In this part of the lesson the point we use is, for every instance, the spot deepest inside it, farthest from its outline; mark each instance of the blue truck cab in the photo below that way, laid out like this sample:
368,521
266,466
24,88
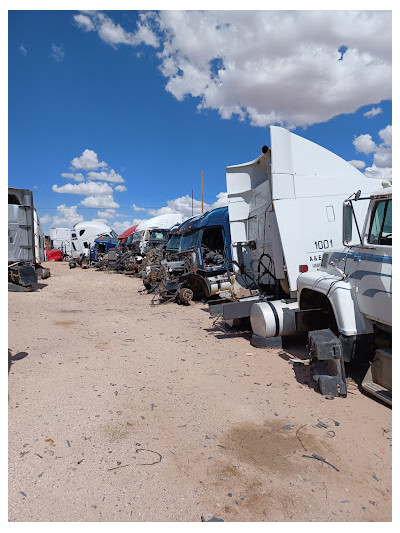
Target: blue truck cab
208,237
102,245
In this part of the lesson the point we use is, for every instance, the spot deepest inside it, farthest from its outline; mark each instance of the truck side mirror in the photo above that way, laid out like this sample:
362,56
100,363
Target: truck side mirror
347,222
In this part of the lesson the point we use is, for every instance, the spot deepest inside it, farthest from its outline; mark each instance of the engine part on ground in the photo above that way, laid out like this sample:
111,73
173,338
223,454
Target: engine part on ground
72,263
185,295
218,284
327,365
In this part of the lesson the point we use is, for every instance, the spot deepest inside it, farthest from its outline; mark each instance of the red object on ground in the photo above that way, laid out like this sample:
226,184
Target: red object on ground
53,255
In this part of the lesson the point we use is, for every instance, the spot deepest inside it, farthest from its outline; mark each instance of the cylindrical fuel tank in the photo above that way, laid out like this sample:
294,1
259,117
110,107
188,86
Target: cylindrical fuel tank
272,319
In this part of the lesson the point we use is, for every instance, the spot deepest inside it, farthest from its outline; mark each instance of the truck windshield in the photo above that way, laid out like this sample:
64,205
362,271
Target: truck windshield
189,241
381,226
159,235
174,242
113,233
133,237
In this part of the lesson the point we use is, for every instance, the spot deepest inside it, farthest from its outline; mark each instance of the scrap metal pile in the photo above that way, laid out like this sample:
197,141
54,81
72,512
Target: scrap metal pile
181,262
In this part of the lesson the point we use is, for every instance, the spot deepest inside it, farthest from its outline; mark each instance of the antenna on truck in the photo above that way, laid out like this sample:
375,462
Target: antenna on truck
202,190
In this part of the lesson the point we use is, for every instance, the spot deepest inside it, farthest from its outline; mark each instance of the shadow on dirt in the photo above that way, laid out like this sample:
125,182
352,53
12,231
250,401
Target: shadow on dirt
16,357
228,333
40,286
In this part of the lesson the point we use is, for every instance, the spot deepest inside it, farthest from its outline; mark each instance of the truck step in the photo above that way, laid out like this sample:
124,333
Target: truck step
378,391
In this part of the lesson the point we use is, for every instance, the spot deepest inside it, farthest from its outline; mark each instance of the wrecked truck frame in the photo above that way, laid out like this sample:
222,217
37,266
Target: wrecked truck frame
201,267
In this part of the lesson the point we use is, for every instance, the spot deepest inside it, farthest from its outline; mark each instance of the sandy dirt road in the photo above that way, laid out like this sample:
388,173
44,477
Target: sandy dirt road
119,411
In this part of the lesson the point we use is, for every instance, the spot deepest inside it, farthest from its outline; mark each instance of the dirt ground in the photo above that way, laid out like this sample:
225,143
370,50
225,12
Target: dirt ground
120,411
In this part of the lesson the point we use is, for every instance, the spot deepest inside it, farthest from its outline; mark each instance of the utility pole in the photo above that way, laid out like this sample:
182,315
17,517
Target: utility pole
192,202
202,191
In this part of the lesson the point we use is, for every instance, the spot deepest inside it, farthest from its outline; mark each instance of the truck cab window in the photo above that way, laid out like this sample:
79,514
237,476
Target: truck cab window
381,226
212,247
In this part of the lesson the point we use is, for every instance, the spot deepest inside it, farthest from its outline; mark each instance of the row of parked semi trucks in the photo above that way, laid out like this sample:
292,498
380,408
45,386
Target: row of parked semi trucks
304,247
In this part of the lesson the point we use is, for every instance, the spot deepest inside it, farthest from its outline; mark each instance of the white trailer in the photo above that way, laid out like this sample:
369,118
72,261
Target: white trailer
61,239
350,296
285,211
26,249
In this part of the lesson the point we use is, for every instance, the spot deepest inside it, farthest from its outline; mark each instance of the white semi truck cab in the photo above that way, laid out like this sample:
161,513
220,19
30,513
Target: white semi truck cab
285,211
350,295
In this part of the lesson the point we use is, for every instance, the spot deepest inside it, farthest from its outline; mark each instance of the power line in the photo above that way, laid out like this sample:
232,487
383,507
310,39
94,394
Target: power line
100,208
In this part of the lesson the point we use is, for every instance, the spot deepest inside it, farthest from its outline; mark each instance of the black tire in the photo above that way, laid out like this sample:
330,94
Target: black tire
260,342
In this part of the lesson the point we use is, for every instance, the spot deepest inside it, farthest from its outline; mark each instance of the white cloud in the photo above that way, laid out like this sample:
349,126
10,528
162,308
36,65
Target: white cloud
137,208
66,216
386,135
364,144
383,153
373,112
120,188
106,176
358,164
382,162
183,205
113,34
136,221
108,213
88,161
120,227
277,67
57,52
100,220
281,67
222,200
100,202
22,49
45,219
84,22
75,177
378,173
89,188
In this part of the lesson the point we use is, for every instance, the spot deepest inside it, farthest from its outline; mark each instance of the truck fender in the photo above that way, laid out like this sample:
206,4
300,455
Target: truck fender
340,295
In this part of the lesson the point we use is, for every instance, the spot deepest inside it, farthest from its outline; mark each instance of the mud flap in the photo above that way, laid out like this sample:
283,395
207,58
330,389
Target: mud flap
327,364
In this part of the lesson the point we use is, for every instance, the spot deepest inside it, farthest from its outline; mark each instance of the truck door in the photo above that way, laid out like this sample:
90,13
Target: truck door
374,272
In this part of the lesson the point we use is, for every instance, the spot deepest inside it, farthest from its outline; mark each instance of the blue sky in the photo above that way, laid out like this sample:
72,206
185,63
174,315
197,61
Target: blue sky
113,115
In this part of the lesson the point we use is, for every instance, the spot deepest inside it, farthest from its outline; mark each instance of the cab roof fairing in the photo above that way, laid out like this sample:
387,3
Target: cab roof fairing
165,221
216,217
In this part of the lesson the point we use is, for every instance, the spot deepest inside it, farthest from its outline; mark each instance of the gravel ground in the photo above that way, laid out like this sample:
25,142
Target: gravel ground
120,411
